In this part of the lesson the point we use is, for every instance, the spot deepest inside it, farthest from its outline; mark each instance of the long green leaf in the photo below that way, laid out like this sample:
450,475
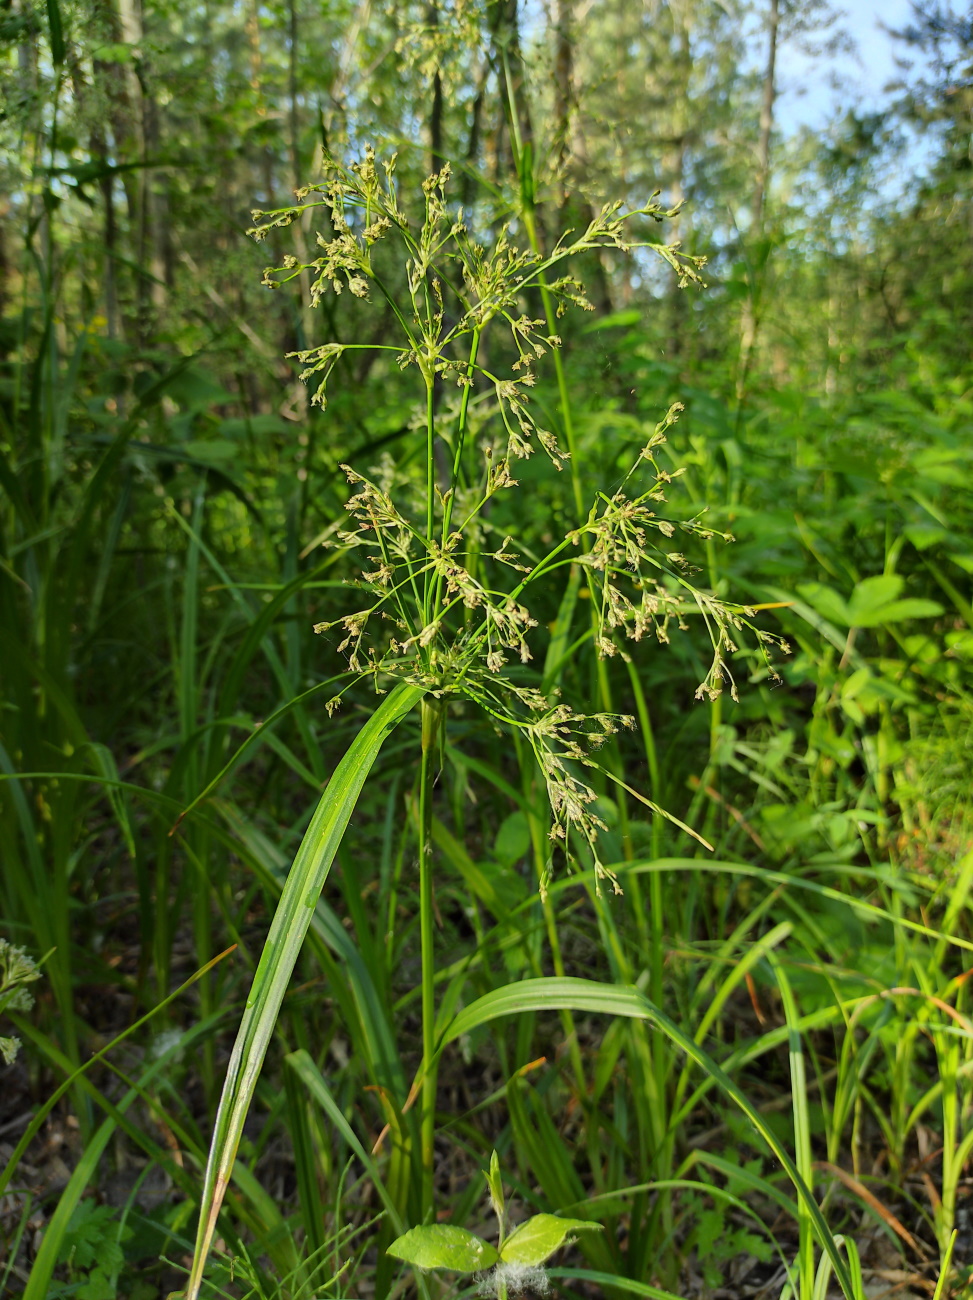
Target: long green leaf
612,1281
802,1124
555,994
280,952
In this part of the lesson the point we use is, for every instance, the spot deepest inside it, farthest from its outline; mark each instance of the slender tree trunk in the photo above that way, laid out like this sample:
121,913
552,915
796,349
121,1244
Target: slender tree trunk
476,128
157,251
575,208
107,186
4,259
766,116
436,105
564,88
128,126
503,19
674,168
119,86
293,120
750,316
297,177
98,149
264,164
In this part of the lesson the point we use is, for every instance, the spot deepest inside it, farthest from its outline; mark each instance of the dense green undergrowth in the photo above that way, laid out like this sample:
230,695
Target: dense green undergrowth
700,985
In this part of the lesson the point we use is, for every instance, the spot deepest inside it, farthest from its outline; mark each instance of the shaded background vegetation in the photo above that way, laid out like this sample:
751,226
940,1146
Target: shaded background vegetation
166,487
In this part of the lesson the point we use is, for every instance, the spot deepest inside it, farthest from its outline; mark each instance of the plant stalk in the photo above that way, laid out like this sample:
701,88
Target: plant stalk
431,713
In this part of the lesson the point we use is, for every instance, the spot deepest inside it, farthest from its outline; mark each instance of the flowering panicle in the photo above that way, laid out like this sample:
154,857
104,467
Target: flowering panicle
443,610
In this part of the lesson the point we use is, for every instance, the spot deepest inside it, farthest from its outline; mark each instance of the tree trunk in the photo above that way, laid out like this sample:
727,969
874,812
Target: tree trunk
750,316
302,304
575,208
564,88
674,169
476,127
436,106
766,117
157,249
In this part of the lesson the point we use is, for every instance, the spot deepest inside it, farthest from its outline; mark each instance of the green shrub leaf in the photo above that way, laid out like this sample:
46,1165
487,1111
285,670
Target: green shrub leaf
443,1245
538,1238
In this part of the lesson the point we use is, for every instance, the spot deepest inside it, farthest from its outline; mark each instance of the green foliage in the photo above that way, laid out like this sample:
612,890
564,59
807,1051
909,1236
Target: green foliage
717,1241
708,1063
441,1245
516,1261
92,1249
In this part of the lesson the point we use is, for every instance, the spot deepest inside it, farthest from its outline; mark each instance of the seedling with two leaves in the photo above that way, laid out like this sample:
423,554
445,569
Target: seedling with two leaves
514,1265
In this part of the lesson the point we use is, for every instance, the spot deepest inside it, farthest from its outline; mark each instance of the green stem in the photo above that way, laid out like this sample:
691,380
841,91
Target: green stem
567,424
461,432
430,491
457,457
431,721
539,848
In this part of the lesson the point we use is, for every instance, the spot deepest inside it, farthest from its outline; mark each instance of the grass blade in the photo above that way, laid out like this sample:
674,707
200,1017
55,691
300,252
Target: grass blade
802,1127
287,931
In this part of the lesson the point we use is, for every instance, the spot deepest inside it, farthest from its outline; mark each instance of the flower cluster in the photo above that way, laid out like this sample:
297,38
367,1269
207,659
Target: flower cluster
17,969
444,610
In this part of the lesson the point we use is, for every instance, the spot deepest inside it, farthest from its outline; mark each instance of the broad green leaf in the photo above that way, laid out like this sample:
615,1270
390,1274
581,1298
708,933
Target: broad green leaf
826,601
922,536
911,607
211,449
805,610
513,839
870,596
856,683
443,1245
288,928
499,890
538,1238
875,601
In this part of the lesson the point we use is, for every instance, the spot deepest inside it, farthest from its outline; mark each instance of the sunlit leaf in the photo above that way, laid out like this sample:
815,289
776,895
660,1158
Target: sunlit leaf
538,1238
443,1245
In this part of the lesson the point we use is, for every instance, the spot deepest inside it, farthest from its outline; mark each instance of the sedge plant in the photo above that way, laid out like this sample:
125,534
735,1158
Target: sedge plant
444,612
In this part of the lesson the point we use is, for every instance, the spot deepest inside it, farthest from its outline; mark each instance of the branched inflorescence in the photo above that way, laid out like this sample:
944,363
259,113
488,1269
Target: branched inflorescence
443,610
